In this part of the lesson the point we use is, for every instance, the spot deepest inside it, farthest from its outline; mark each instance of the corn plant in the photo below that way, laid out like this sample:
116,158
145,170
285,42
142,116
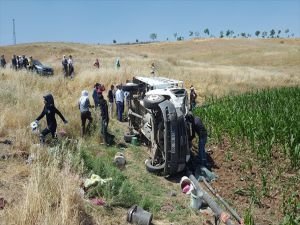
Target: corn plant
264,119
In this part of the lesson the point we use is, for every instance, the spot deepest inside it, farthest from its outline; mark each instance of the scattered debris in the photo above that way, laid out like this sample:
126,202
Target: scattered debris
3,202
120,160
202,172
121,145
6,142
30,159
18,154
173,193
139,216
94,180
186,185
97,201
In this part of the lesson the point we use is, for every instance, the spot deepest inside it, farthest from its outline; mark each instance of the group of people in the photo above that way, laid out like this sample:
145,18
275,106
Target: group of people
68,66
18,62
97,63
106,108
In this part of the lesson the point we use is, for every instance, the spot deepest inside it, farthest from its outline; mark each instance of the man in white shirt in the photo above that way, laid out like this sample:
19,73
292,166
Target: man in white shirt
120,102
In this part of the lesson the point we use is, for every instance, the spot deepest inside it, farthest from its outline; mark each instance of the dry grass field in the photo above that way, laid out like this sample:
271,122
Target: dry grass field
47,191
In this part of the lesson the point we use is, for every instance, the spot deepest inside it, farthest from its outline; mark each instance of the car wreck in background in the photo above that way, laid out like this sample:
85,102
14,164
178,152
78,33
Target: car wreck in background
41,69
157,110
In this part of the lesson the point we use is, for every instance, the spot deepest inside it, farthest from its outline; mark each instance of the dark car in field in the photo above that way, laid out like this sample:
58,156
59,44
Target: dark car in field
41,69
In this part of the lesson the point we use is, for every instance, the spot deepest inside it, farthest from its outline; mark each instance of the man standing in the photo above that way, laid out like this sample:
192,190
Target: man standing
193,97
84,105
71,66
64,63
111,97
120,102
199,128
3,61
14,62
95,95
104,119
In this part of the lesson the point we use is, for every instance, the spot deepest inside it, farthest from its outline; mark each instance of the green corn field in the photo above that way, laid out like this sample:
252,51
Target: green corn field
267,120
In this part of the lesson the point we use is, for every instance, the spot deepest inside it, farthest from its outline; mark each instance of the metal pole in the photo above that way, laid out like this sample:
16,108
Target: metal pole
212,204
14,33
232,211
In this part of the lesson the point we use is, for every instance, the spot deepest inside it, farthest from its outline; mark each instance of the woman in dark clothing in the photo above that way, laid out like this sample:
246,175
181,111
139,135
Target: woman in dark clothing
49,110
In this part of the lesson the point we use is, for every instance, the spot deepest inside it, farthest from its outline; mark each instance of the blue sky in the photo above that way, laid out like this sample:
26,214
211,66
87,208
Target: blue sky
95,21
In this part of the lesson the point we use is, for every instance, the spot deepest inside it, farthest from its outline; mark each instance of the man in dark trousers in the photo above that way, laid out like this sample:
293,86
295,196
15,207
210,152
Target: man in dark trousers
3,61
111,98
199,128
85,114
49,110
193,97
104,119
64,63
95,95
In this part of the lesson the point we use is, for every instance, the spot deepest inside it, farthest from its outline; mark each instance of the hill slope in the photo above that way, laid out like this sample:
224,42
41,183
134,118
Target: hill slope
215,67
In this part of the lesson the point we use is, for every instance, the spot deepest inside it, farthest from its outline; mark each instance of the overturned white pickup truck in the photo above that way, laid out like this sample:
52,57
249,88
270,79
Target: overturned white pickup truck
157,109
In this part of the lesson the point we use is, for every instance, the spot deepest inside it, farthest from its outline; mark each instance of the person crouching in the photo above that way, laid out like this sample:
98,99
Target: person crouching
84,106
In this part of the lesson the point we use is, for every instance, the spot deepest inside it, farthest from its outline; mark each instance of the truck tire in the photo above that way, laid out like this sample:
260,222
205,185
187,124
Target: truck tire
128,137
152,101
130,87
154,169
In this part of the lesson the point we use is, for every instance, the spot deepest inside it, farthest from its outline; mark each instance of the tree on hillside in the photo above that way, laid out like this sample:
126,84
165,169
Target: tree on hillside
243,34
180,38
197,34
257,33
264,34
191,33
153,36
175,35
278,33
286,31
227,33
272,33
206,31
114,41
137,40
221,34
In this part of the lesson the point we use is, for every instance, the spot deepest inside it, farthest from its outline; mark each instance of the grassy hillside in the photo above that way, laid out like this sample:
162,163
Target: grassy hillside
46,192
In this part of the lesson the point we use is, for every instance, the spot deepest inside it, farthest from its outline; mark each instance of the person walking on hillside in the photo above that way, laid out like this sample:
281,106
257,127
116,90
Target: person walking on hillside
64,63
95,95
71,66
49,110
118,64
30,63
97,64
120,102
2,61
85,114
199,129
14,62
111,98
193,97
152,69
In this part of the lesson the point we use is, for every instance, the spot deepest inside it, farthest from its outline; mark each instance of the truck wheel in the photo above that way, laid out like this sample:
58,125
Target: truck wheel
128,137
130,87
152,101
154,168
